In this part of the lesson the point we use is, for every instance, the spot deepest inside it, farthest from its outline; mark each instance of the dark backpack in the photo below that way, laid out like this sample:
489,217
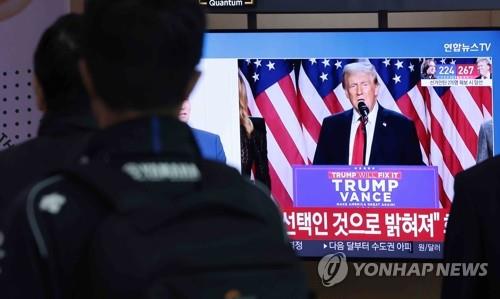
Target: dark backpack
219,237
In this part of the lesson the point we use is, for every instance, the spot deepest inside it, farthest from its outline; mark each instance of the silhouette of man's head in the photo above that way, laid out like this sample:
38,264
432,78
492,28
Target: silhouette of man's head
58,84
140,55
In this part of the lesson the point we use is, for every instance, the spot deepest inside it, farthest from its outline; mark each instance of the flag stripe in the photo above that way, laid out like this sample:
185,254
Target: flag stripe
280,194
439,136
281,167
482,96
464,128
309,121
313,100
310,145
406,105
333,103
288,89
278,129
287,118
445,177
341,97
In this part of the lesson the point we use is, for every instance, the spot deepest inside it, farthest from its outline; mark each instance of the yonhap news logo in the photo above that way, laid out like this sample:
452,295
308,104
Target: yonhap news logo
333,269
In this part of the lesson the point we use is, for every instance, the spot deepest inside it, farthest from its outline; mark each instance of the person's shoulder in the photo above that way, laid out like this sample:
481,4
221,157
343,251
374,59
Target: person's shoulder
392,115
204,134
20,150
53,148
340,116
482,174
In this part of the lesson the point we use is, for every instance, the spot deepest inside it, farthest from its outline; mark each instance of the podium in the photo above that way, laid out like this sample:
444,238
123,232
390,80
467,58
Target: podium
365,186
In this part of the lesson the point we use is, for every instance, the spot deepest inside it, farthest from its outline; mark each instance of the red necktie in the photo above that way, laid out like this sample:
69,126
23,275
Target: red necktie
359,145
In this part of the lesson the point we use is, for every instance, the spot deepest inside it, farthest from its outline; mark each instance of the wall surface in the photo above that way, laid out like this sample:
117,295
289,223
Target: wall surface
21,25
359,20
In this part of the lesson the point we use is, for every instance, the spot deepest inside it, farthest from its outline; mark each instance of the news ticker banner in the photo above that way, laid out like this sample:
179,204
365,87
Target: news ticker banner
456,82
369,249
367,232
366,186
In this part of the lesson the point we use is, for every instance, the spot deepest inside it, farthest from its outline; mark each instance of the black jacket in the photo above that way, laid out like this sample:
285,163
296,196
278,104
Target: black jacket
395,140
254,152
472,233
61,138
46,249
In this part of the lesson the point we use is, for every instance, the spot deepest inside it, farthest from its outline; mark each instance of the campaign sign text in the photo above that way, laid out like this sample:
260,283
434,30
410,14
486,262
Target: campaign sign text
366,186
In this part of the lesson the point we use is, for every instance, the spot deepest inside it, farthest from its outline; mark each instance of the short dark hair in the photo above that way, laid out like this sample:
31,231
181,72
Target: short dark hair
141,54
56,61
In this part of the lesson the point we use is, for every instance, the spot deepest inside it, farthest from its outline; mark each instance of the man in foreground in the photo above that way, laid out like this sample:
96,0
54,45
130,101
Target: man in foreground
145,216
472,232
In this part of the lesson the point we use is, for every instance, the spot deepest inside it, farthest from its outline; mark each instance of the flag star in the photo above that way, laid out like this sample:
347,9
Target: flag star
313,61
338,64
257,62
453,61
387,62
255,77
411,67
248,61
443,61
397,79
326,62
399,64
324,77
270,65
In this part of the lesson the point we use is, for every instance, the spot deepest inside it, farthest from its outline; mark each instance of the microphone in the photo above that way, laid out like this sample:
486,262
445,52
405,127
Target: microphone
363,110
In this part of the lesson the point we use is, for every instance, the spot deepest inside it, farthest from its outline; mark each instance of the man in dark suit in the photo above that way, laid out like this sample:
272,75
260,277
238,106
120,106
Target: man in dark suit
483,65
385,137
209,143
472,233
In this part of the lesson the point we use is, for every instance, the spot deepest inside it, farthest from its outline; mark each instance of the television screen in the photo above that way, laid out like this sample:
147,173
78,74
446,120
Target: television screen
282,103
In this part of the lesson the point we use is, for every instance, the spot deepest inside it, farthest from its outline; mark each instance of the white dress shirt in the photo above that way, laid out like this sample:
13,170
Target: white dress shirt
370,130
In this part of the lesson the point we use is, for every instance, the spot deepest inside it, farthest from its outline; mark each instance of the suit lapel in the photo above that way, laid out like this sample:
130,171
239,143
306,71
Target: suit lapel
378,136
345,131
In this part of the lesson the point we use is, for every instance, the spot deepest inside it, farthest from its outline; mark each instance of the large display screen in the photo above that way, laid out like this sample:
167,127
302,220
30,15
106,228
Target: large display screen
282,103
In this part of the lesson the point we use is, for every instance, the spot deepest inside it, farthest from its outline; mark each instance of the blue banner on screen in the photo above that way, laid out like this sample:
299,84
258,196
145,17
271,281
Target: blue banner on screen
366,186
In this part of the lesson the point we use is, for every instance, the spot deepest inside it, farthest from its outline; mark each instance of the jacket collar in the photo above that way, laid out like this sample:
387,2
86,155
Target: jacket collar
145,137
62,124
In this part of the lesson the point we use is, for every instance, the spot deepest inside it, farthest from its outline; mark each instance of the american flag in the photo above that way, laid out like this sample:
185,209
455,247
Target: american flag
294,96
